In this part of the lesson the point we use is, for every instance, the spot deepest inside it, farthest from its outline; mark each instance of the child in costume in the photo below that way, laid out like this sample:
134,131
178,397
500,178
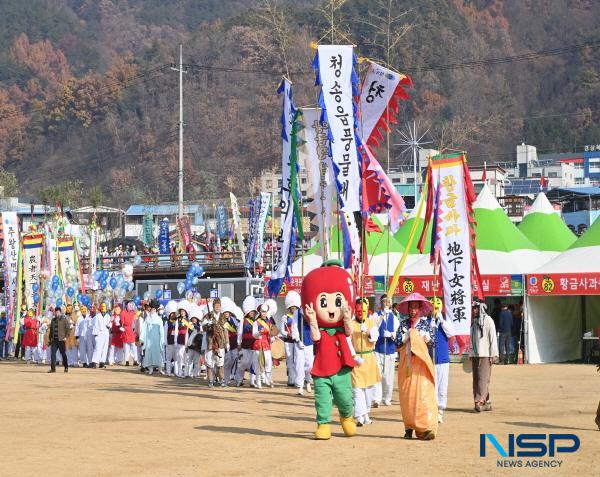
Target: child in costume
326,292
115,351
365,374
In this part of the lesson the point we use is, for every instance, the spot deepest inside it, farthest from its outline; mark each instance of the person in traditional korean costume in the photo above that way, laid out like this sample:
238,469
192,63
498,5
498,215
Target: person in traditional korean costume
115,351
101,330
30,336
85,337
152,339
246,341
262,361
326,292
366,374
128,335
72,346
416,371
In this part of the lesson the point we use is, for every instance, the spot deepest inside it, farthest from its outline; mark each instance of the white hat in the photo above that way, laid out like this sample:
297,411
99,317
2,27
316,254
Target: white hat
293,299
272,304
171,307
248,305
227,304
195,311
184,305
239,314
263,307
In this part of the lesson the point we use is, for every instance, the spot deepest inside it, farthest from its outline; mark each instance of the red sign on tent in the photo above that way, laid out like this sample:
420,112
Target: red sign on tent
554,284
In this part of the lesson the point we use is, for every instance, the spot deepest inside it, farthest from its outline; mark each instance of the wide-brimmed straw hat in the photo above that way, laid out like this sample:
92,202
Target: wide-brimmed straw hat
426,307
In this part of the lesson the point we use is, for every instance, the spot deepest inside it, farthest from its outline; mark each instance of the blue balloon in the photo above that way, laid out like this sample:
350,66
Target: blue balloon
189,275
137,260
104,275
70,292
181,287
54,286
113,282
200,270
188,284
102,284
36,297
158,294
97,275
35,287
195,281
59,302
86,300
55,279
137,301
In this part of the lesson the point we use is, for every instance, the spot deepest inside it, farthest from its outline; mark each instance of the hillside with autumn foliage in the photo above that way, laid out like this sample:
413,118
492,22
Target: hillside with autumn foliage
88,98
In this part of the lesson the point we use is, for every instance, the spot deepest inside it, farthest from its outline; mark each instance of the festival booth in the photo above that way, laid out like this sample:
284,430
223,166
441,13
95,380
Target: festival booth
563,301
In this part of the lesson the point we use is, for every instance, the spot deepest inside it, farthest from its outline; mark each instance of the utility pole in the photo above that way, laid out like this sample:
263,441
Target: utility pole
180,170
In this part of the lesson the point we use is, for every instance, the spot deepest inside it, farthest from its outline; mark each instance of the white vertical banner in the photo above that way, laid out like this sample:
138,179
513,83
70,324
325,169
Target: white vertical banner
265,203
453,238
286,237
10,230
66,257
339,84
93,251
235,213
379,88
51,255
314,155
33,250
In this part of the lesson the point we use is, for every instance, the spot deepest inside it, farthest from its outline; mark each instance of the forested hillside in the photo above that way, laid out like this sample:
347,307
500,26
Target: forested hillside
88,97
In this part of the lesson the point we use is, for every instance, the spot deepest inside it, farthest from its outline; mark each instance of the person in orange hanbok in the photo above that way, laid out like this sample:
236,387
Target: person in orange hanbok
416,372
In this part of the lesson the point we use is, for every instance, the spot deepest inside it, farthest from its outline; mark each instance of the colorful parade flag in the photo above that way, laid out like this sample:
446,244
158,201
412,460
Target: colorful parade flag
335,73
265,205
450,196
235,213
380,92
33,254
10,230
66,256
314,156
254,207
185,231
164,241
286,239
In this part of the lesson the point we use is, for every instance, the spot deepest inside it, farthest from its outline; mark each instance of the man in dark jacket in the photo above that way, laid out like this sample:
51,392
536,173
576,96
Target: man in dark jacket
59,331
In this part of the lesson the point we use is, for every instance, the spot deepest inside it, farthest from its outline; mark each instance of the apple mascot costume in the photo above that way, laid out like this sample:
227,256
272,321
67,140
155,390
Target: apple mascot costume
326,292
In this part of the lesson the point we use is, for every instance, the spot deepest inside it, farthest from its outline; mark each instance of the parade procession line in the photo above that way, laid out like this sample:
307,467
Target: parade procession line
120,422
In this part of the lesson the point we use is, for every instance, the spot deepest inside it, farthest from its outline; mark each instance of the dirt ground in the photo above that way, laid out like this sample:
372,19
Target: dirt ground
118,422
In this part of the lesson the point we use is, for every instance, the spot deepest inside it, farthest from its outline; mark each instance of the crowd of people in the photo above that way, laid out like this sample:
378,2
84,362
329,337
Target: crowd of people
230,345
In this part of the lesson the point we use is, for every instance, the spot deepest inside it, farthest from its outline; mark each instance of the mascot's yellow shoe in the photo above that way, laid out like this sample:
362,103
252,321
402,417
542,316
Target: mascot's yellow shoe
323,432
348,425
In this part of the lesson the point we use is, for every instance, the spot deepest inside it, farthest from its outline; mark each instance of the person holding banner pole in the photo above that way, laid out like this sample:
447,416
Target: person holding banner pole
385,352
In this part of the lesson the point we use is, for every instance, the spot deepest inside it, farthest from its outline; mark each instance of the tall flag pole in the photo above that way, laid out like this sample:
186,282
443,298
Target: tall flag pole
450,198
287,238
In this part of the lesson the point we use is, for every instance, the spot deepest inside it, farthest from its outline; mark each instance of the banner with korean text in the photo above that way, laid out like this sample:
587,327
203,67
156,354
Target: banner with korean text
33,253
452,237
335,73
235,213
10,231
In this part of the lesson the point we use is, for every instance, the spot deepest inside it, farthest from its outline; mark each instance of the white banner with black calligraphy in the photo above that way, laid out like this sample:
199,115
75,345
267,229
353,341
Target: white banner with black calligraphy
33,253
235,213
314,156
10,230
265,205
334,67
453,239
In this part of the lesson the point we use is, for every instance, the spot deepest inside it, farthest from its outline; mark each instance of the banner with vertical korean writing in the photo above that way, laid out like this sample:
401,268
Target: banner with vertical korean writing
164,241
335,73
253,207
265,205
314,156
10,230
185,231
453,237
66,256
93,252
33,253
235,213
286,240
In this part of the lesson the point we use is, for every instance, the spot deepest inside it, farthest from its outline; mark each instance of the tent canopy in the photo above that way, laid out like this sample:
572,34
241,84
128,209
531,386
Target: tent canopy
543,226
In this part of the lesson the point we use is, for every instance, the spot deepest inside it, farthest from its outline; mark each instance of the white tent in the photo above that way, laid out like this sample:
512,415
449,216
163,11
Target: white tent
563,301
